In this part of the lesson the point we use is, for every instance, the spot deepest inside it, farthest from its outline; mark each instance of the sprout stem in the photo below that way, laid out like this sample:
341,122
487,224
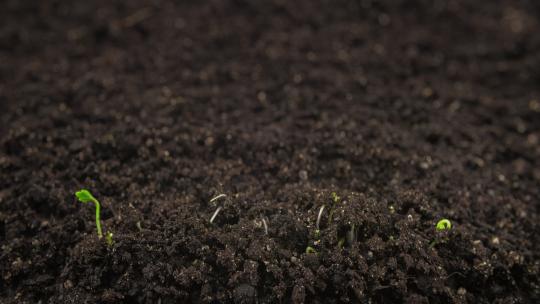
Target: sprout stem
217,197
98,221
265,226
84,196
319,217
109,238
215,214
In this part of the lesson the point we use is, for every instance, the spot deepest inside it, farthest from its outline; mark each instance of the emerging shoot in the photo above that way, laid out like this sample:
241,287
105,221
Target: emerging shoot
109,238
217,197
341,243
215,214
218,208
310,249
84,196
443,224
319,218
335,197
265,226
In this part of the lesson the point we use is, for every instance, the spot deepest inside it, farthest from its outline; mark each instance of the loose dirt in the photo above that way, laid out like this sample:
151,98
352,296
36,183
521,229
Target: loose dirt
391,114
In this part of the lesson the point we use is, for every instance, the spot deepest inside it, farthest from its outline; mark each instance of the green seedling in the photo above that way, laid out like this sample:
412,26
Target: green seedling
443,224
85,196
351,236
109,238
310,249
335,197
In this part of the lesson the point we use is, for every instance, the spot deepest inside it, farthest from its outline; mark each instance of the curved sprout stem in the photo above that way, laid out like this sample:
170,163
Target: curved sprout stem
265,226
319,217
217,197
84,196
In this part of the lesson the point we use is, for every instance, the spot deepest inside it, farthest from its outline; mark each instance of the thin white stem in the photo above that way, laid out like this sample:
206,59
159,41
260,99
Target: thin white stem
265,226
215,214
319,217
217,197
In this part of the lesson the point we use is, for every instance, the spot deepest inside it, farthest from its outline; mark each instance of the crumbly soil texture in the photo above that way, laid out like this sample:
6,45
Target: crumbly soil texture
390,114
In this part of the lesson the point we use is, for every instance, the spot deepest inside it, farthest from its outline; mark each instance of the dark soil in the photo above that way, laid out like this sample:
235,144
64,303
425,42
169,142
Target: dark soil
409,110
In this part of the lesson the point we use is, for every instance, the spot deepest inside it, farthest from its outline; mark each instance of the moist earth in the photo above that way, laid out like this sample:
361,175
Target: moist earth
390,114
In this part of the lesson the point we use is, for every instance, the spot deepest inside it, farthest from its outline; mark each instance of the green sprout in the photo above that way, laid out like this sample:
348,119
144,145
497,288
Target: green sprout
341,243
335,197
310,249
85,196
109,238
443,224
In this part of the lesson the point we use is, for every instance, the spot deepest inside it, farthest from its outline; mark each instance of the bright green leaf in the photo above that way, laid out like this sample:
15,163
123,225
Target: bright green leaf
85,196
444,224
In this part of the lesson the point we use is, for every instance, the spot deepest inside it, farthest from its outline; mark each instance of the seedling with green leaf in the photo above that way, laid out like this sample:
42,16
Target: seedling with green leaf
335,197
442,226
109,238
84,196
335,200
310,249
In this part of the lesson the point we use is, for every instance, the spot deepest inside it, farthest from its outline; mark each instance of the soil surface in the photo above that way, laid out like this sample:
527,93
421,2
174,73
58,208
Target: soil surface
391,114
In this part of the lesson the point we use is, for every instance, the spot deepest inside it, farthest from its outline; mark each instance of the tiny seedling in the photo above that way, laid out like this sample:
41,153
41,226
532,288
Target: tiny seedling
265,225
310,249
218,208
262,223
341,243
85,196
319,216
443,224
217,197
335,197
215,214
109,238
